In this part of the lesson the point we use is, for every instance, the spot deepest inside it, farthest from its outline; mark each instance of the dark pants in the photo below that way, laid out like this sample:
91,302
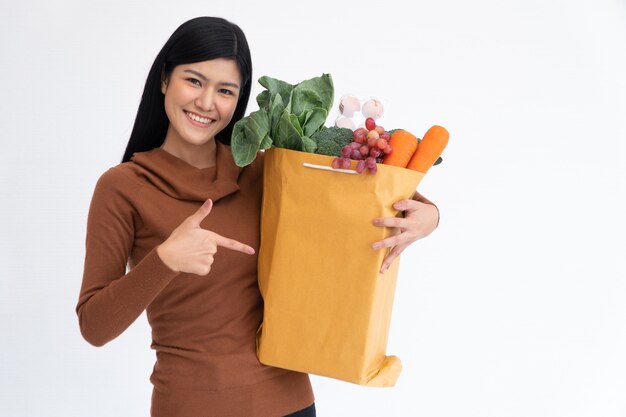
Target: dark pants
305,412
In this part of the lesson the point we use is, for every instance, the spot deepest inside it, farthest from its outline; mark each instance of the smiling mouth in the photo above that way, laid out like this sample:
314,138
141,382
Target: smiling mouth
199,120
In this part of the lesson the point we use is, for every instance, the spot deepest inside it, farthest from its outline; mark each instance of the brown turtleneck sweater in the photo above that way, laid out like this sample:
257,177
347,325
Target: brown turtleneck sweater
203,327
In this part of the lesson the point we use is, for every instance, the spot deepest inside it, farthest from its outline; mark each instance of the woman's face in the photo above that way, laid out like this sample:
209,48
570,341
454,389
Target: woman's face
200,99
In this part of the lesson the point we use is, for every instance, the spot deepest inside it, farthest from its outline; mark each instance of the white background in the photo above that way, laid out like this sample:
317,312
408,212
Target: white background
515,306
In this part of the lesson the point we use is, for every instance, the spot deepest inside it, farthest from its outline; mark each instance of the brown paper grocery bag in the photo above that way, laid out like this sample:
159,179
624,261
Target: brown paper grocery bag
327,308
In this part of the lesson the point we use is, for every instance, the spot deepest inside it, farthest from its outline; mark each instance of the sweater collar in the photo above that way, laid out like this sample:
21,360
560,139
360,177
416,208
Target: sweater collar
182,181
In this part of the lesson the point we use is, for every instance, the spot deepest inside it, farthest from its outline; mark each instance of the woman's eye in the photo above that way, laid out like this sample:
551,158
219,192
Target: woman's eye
225,91
194,81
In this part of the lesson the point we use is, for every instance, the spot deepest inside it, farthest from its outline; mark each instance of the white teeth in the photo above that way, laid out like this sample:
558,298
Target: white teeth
198,118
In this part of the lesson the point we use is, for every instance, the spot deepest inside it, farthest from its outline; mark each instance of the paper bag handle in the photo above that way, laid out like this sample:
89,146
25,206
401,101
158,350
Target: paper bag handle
327,168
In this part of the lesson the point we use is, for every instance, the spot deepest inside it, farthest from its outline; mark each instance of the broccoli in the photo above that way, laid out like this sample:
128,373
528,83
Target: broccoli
331,140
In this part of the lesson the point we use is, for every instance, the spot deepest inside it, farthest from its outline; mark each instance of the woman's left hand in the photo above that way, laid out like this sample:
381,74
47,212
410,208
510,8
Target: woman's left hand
420,219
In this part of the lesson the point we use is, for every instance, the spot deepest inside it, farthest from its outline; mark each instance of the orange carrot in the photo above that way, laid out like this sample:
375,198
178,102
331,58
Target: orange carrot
429,149
403,146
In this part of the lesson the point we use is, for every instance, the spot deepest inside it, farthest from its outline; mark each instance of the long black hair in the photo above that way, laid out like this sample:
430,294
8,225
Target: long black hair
198,39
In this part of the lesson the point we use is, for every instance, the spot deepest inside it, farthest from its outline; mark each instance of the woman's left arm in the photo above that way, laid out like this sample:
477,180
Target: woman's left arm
421,217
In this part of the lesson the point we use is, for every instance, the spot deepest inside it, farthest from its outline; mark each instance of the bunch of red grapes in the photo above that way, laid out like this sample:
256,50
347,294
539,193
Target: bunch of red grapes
369,146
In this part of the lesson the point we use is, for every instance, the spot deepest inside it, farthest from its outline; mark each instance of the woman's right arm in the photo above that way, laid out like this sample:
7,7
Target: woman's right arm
110,299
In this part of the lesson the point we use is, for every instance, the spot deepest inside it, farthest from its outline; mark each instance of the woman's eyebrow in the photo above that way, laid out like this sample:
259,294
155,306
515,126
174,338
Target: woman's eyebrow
200,75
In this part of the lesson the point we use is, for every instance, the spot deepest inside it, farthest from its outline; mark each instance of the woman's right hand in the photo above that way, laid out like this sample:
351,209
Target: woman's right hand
190,248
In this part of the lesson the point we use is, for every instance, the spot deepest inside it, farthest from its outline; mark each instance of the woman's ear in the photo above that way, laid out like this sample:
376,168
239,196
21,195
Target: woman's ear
163,81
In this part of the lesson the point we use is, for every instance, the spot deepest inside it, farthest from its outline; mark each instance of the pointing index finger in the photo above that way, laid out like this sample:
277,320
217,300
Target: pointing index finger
233,244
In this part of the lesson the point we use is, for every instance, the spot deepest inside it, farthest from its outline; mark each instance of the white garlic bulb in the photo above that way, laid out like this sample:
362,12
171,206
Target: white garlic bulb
345,122
372,108
348,105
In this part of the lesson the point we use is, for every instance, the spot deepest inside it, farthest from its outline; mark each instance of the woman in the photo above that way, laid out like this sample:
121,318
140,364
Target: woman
168,209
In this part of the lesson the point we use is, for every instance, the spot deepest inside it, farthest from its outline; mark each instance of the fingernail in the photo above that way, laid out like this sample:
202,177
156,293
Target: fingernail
384,269
376,246
398,206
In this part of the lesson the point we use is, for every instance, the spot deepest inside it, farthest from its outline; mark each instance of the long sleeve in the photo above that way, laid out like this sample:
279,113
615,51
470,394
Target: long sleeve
110,299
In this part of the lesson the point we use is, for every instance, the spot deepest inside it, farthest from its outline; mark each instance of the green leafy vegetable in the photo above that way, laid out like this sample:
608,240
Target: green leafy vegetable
316,92
287,135
276,108
250,134
313,120
273,87
309,144
295,123
288,117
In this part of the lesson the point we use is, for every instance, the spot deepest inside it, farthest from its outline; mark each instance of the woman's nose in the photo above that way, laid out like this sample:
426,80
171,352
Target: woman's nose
206,100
